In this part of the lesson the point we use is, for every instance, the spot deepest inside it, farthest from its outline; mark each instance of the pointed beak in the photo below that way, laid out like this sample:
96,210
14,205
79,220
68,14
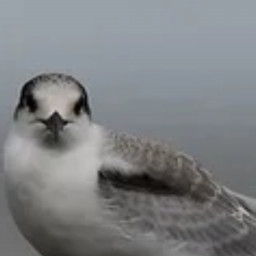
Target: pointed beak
55,123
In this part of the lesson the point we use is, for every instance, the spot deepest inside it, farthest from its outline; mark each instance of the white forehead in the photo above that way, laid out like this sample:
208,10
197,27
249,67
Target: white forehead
54,96
54,92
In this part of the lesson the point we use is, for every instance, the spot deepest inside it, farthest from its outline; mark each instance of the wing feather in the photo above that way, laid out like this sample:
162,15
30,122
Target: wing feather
175,199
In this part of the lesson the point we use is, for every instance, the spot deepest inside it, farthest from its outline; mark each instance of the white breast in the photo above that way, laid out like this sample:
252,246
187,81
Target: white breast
53,196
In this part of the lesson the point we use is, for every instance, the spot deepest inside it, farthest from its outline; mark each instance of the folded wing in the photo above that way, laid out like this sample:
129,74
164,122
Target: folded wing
178,203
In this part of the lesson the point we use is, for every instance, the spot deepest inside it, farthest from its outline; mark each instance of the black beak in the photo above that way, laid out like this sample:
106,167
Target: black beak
55,123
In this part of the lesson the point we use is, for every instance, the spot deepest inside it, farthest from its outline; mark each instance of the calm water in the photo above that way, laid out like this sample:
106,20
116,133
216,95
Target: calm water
182,70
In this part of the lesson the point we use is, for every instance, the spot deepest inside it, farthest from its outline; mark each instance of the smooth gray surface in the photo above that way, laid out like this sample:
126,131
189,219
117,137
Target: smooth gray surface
177,69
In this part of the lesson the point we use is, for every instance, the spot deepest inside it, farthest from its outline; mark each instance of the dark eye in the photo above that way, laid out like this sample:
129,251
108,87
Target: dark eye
79,106
31,103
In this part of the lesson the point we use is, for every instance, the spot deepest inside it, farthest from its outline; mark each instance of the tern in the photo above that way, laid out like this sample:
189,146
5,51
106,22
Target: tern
77,188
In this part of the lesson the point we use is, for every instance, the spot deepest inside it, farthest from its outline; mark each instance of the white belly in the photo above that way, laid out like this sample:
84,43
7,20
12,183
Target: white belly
65,223
54,201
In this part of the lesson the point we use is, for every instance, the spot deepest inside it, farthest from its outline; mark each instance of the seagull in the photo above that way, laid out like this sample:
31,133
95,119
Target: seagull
77,188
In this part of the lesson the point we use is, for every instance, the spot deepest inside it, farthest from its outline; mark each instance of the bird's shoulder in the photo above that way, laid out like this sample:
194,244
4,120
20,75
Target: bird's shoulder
156,165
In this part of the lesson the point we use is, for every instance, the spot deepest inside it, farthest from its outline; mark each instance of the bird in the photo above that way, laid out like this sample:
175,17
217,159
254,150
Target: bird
76,188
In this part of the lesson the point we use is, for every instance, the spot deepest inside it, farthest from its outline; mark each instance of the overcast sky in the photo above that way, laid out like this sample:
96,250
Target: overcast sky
182,69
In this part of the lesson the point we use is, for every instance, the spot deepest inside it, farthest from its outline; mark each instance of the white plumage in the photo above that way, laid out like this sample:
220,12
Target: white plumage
76,189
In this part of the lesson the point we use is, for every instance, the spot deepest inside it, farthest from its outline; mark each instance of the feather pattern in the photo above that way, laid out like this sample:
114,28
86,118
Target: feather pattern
165,193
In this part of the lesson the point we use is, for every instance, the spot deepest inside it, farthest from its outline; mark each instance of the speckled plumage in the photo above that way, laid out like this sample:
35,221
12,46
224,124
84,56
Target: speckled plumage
191,209
162,162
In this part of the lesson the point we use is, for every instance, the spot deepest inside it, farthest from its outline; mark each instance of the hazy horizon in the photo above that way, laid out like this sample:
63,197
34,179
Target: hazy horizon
182,70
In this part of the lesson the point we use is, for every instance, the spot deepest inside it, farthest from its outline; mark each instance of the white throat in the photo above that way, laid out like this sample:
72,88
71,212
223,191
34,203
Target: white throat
45,184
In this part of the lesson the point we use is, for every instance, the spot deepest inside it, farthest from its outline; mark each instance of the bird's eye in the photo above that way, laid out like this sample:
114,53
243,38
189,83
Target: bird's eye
31,103
79,106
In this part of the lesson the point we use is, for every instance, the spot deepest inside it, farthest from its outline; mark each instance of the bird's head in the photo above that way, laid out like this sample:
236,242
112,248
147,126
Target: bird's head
53,109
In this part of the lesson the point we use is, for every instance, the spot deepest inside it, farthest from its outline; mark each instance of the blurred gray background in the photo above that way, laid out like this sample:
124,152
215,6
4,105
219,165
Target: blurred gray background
178,69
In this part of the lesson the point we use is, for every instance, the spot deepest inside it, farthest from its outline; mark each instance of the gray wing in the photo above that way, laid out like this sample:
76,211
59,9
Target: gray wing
248,202
189,209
